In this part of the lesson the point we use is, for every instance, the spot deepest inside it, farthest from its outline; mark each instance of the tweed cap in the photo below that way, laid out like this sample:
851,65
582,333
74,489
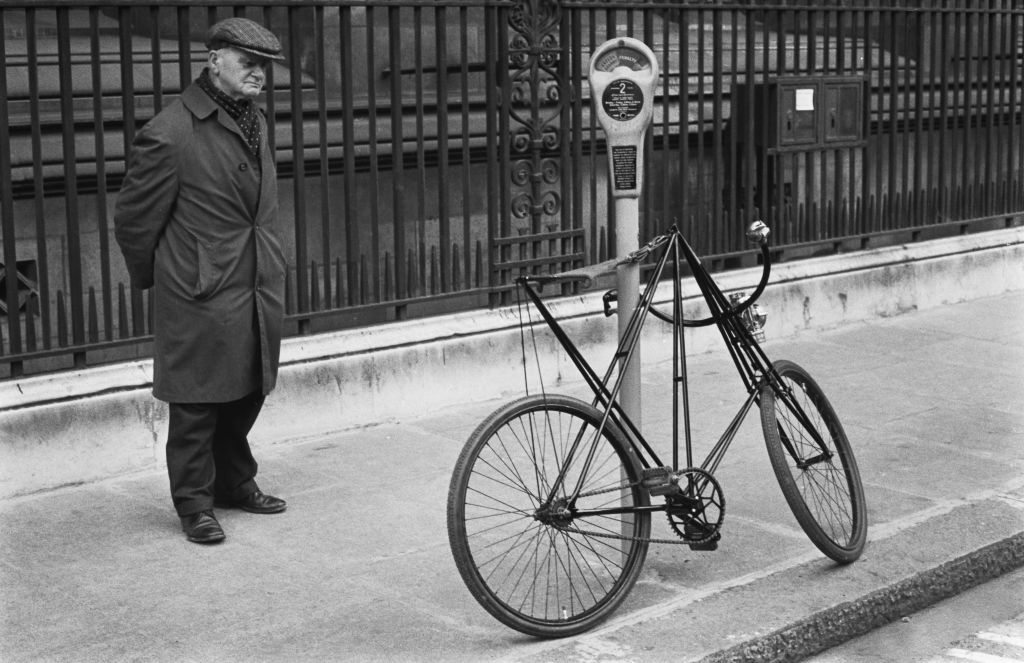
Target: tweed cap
245,35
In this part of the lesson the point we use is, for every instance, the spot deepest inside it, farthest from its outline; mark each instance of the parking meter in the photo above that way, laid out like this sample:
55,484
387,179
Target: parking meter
623,75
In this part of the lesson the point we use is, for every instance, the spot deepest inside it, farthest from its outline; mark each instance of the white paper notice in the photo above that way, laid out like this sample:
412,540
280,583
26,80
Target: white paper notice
805,99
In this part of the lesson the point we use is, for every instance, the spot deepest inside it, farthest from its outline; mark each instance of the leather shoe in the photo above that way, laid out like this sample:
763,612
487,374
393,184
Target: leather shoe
257,502
202,527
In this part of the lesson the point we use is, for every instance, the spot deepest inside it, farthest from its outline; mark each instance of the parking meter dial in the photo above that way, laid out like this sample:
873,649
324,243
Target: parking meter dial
622,56
623,78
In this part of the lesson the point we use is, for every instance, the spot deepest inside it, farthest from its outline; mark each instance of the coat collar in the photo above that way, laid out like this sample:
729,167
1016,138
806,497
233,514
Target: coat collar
202,106
198,102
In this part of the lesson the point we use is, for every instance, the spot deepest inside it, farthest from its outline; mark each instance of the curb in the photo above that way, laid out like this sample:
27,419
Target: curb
834,626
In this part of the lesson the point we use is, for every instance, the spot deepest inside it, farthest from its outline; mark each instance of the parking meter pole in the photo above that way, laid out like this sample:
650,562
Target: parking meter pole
627,277
623,77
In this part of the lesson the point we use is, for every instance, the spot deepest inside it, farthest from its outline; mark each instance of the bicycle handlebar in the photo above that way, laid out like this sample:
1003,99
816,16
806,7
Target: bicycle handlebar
757,232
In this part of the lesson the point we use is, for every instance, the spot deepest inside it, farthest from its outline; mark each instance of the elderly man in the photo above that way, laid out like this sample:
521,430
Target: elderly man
195,221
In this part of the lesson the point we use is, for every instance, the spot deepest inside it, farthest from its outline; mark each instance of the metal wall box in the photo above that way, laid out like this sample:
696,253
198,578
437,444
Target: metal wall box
796,113
793,116
844,111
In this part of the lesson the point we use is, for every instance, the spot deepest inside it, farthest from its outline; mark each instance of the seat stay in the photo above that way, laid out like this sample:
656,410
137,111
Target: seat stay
604,397
611,410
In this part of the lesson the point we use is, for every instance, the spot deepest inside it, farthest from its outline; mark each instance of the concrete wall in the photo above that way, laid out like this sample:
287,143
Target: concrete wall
85,426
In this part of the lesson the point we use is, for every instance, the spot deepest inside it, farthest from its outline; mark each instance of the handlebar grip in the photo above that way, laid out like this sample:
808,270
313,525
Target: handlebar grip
757,232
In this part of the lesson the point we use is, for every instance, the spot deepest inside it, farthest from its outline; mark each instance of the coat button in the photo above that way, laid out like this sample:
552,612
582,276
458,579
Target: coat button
243,167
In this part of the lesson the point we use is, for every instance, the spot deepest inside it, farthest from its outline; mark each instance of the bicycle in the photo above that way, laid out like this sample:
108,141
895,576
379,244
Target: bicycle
550,503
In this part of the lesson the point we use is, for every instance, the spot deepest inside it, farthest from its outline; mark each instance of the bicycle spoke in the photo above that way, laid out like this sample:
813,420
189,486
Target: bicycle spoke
524,545
821,487
813,461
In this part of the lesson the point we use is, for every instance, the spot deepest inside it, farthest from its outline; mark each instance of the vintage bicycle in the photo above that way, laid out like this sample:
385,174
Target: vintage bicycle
550,503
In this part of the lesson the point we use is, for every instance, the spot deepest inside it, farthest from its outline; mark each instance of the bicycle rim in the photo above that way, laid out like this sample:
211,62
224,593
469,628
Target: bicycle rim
825,495
544,576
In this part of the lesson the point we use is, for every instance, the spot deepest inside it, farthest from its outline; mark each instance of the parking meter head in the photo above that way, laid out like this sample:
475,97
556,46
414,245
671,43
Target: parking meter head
623,78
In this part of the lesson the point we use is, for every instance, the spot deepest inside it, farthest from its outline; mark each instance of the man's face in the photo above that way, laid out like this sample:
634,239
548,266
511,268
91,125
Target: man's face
238,74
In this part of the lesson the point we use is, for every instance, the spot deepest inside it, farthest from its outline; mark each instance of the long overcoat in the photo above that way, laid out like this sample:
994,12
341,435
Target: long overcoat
195,221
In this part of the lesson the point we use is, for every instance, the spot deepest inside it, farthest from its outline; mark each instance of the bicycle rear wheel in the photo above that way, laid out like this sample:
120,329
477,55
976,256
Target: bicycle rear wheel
814,463
544,566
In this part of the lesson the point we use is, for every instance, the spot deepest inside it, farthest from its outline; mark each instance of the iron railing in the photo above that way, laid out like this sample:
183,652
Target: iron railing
428,151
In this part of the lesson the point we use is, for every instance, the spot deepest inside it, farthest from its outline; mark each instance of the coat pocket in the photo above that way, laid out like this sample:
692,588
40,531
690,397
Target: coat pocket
206,272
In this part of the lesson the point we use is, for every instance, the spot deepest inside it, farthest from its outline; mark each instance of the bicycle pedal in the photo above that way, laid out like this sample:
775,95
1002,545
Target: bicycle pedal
659,480
655,475
707,545
671,488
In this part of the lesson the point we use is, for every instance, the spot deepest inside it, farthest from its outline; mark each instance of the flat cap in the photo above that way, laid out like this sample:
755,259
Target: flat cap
245,35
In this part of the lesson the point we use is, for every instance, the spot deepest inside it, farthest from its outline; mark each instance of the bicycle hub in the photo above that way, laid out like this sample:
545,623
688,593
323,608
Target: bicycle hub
555,513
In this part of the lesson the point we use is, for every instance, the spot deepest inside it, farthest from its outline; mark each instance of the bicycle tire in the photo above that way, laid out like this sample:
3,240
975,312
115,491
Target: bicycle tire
826,497
541,579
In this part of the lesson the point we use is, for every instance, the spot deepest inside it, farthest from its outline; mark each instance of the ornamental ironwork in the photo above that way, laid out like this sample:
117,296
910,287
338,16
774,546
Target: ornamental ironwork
534,108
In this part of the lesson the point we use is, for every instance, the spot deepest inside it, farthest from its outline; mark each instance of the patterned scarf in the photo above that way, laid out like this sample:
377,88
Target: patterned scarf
242,111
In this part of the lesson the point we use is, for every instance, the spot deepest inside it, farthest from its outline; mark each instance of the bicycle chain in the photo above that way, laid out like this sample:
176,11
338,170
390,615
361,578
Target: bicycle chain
623,537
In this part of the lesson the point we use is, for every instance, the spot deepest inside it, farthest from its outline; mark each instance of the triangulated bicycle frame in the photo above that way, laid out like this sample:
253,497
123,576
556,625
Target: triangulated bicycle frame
735,322
546,481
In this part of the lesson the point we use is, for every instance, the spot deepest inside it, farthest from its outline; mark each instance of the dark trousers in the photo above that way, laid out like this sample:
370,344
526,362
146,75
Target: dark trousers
208,455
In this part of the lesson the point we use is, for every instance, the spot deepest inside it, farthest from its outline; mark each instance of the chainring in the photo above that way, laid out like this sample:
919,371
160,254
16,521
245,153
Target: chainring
695,514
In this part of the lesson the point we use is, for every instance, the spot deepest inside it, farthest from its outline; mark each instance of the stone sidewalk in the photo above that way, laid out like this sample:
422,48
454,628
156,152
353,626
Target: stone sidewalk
358,568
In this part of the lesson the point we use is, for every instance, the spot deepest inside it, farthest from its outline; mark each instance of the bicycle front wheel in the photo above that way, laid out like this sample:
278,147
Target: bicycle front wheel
541,516
814,463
